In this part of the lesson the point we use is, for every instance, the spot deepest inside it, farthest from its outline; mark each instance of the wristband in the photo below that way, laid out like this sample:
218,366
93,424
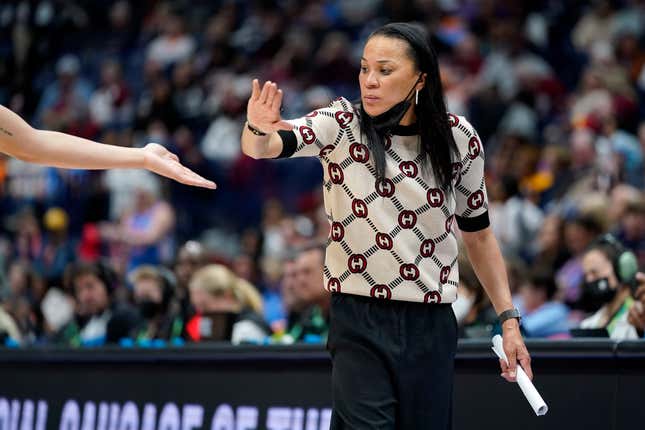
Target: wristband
254,130
508,314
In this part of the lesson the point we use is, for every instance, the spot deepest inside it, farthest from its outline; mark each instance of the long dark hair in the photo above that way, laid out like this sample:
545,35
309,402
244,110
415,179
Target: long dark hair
437,142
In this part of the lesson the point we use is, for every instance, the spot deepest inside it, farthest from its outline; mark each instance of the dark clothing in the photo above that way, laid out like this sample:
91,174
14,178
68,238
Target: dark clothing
393,364
312,326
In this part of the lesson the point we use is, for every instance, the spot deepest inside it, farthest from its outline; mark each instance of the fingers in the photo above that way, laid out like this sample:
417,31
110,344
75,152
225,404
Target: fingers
277,101
505,371
503,366
265,92
255,92
511,374
273,90
512,361
189,177
270,94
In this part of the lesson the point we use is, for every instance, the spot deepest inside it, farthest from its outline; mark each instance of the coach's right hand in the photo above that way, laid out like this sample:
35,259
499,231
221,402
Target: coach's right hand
263,109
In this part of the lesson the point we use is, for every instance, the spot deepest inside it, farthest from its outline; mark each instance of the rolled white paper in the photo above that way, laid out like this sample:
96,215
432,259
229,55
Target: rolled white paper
535,400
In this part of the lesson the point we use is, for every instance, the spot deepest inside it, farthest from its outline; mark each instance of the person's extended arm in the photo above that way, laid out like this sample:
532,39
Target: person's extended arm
18,139
162,221
263,113
486,258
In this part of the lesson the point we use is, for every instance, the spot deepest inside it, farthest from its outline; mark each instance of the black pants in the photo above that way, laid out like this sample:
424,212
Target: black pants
393,364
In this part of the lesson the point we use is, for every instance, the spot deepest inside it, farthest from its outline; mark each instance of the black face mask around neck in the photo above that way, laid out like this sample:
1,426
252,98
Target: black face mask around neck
389,119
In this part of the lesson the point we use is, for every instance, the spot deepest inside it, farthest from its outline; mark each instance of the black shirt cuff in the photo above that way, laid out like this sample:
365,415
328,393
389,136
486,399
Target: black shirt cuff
289,143
470,225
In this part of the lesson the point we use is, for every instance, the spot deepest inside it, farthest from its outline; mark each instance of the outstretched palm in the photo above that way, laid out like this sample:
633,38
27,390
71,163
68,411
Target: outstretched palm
263,109
163,162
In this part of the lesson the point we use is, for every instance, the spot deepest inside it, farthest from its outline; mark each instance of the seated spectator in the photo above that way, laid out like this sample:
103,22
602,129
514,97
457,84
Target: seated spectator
190,258
473,310
313,324
111,103
173,45
579,232
65,100
228,308
631,230
98,319
147,228
543,316
607,286
25,292
292,301
58,249
154,289
636,316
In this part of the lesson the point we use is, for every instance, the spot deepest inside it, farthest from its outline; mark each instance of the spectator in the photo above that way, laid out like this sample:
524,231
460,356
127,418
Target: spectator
64,102
156,110
154,290
636,316
111,103
631,231
228,308
517,220
313,324
188,94
294,305
173,44
579,233
58,249
473,310
607,286
97,319
543,316
549,245
147,229
190,258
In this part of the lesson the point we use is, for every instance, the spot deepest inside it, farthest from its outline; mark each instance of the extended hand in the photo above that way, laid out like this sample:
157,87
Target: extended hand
515,352
263,109
163,162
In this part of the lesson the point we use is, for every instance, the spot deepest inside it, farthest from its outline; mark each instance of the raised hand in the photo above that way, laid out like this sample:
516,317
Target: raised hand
263,109
163,162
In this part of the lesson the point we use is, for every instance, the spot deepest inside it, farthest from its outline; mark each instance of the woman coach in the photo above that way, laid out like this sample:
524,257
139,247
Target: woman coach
399,171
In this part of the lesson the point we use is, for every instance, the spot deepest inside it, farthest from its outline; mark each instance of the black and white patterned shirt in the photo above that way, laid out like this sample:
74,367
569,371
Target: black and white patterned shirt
395,238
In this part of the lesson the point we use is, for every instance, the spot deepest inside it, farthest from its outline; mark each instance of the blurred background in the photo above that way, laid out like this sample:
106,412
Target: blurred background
556,90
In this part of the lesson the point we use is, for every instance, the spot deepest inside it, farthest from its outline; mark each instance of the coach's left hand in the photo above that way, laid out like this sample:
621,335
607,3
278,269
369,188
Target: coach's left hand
515,351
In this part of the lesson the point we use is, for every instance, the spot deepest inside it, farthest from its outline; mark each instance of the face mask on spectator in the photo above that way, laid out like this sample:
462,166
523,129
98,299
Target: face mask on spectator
597,293
149,309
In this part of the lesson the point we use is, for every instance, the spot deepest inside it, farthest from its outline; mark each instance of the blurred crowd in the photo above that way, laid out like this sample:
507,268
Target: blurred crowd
555,89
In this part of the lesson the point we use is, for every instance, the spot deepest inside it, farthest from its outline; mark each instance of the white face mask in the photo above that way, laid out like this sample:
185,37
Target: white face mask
461,307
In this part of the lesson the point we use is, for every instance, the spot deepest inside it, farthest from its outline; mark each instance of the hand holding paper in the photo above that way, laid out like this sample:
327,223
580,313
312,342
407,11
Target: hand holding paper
527,387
